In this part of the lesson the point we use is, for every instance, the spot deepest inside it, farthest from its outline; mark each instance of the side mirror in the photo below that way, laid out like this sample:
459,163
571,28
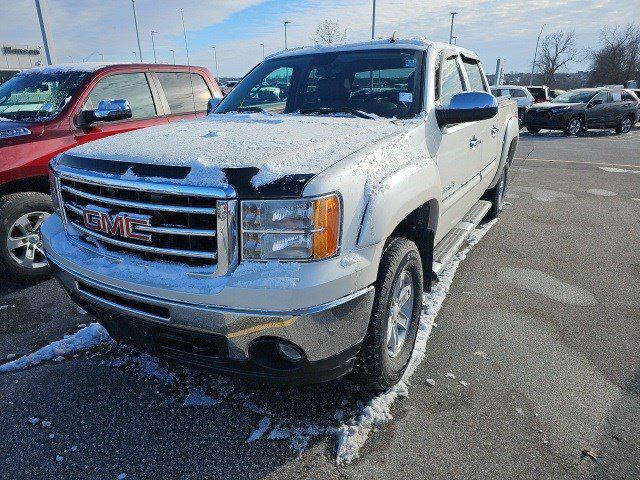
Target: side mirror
593,103
212,104
468,107
108,111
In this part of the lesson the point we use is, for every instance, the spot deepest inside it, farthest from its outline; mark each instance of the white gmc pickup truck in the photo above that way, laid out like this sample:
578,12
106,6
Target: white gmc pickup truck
291,233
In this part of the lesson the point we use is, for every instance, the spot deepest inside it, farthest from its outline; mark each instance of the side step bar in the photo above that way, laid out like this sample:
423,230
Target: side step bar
452,241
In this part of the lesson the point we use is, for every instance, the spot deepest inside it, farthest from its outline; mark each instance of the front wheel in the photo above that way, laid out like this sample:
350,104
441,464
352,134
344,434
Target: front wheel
574,127
496,195
22,257
395,318
625,125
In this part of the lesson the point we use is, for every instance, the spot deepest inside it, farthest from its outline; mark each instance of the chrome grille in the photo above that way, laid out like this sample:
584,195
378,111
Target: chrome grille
183,221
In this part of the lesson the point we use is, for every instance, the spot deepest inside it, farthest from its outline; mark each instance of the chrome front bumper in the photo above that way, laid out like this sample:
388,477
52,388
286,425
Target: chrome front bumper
322,332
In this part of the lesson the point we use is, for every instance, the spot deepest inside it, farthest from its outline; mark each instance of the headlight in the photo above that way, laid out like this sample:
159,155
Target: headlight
297,229
560,109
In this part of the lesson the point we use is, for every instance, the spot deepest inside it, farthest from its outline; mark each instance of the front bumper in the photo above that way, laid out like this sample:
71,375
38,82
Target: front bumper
329,335
546,120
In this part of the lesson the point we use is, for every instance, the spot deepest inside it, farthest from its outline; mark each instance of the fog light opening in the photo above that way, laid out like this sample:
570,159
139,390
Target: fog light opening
289,353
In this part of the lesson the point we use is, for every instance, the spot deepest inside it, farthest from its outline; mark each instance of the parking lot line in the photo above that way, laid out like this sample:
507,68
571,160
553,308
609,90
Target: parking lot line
553,160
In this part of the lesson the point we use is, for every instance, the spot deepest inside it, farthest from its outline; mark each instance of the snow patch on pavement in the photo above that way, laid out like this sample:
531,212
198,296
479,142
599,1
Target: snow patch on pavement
601,193
353,434
197,398
618,170
263,426
85,338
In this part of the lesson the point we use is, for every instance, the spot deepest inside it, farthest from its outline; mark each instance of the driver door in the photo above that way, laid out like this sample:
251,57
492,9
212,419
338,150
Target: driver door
596,112
458,150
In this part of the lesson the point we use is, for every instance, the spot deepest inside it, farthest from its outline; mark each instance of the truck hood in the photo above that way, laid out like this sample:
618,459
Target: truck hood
263,148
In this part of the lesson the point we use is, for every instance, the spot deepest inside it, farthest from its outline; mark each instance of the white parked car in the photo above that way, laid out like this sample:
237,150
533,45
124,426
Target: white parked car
288,236
521,95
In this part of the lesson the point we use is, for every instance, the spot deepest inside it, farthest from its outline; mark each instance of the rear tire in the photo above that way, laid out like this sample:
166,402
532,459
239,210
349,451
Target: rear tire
21,255
624,126
496,195
388,345
533,130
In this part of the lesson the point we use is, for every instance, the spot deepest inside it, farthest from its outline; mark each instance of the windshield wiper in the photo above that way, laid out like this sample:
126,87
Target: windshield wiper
249,109
331,111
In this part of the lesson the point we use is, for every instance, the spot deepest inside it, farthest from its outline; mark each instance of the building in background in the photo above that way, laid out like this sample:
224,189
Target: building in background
21,56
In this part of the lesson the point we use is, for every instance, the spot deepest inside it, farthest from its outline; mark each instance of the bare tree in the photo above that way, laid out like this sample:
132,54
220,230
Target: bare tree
557,50
329,31
618,58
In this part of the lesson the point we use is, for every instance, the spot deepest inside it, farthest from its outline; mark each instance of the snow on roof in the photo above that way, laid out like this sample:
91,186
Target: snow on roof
68,67
416,43
420,43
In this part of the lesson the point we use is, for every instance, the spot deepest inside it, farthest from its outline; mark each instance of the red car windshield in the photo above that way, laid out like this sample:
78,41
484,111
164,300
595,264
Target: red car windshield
37,95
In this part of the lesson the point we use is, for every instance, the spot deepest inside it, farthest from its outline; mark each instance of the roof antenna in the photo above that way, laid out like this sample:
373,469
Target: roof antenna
186,47
393,38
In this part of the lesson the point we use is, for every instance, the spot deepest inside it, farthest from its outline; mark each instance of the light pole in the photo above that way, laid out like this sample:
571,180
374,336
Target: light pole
44,25
135,20
286,22
373,21
215,59
262,45
535,54
173,52
153,44
453,14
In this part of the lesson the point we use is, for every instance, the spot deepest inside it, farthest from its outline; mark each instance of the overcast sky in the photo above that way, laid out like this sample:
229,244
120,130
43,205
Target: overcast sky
492,28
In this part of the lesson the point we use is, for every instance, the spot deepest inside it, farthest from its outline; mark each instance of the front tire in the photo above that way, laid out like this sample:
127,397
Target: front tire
395,318
22,257
574,127
625,125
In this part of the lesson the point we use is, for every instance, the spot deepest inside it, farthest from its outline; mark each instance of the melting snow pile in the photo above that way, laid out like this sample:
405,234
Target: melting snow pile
85,338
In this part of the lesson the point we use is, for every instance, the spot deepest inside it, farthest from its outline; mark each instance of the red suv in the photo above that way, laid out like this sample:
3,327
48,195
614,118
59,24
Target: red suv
45,111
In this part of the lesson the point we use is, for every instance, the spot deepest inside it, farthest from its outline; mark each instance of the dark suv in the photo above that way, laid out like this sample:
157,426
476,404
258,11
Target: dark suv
585,108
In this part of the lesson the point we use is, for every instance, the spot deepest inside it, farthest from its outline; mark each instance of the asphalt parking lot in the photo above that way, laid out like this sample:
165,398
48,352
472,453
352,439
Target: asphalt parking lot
532,369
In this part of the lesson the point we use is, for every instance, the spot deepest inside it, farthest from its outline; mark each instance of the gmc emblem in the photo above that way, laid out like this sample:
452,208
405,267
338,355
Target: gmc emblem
118,225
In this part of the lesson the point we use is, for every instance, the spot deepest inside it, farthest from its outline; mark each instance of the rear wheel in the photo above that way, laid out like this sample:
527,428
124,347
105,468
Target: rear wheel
395,317
22,257
496,195
574,126
625,125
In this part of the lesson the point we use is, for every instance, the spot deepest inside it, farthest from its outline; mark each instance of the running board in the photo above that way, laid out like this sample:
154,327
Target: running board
452,241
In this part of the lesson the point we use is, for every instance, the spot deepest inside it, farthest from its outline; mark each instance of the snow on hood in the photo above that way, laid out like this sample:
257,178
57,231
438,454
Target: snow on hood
277,145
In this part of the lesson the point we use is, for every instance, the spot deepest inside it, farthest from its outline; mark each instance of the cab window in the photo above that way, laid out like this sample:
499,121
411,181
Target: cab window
474,74
451,82
186,92
133,87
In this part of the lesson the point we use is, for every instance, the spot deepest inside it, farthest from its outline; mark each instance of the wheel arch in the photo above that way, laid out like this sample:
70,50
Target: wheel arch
30,184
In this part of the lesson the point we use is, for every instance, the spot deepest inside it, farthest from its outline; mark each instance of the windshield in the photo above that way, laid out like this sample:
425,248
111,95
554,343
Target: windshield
575,96
37,95
359,83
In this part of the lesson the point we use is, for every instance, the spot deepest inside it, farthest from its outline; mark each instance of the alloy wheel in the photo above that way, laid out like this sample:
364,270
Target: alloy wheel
400,312
625,127
24,242
574,126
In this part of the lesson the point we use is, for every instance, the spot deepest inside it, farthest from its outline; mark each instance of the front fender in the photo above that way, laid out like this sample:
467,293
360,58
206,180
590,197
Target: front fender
511,132
395,197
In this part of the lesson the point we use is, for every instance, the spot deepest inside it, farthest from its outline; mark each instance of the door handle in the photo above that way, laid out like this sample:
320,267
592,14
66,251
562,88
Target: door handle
494,130
474,142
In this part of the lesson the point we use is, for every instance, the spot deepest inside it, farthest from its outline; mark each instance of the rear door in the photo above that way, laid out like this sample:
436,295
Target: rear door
185,95
133,87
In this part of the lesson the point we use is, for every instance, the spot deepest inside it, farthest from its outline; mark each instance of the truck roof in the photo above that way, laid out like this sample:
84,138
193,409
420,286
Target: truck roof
417,43
95,66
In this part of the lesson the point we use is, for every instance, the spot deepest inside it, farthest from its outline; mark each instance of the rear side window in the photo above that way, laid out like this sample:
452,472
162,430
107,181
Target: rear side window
474,74
451,83
627,97
515,93
177,88
538,92
127,86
